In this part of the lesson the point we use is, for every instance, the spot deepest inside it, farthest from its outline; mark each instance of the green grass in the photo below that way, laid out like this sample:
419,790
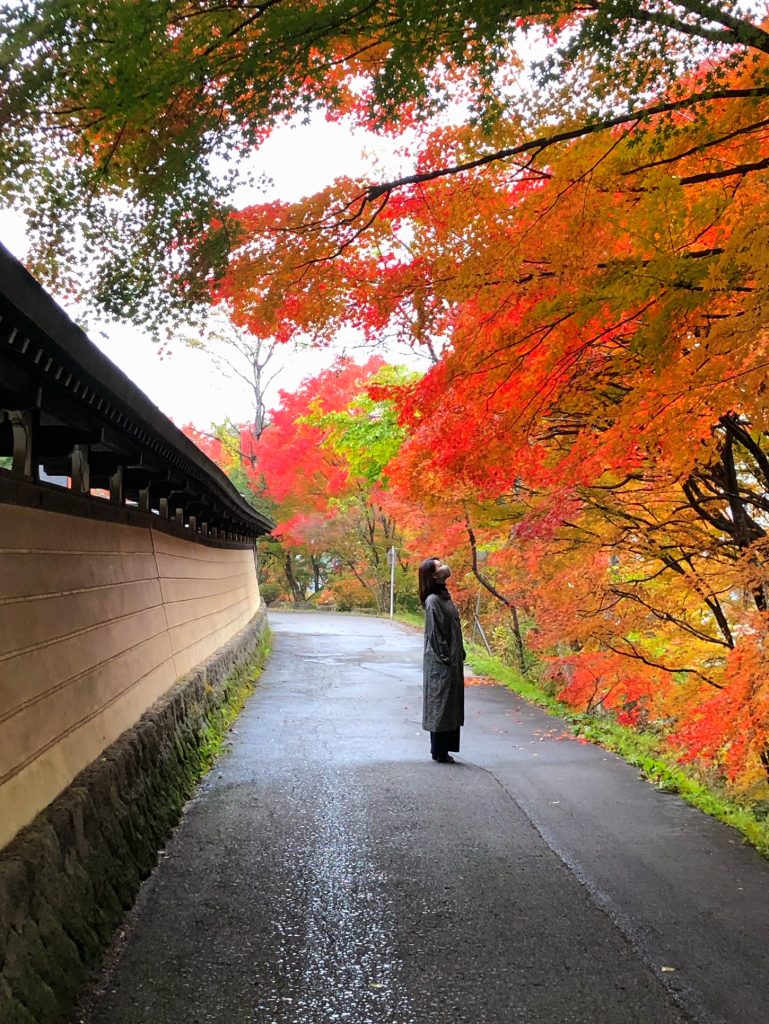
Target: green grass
641,749
240,685
409,618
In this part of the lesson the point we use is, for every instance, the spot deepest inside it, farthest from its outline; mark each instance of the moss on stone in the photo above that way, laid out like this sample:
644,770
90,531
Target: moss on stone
29,975
14,899
11,1010
60,951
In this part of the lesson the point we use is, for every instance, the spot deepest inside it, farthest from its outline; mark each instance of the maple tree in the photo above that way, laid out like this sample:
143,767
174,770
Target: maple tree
161,102
321,462
231,447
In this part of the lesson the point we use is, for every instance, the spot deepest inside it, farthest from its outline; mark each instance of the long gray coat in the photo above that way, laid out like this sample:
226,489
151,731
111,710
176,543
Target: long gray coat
443,703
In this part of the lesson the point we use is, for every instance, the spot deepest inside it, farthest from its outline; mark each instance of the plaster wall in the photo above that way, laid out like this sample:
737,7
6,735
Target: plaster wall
97,621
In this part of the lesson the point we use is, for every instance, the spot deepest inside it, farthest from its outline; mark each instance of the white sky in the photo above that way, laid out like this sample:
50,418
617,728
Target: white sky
184,384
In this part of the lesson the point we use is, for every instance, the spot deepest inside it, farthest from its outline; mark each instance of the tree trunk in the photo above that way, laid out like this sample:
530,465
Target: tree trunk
315,572
296,590
518,638
764,758
519,648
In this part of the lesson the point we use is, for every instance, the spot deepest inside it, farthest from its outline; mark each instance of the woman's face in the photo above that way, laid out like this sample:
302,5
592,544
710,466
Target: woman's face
441,571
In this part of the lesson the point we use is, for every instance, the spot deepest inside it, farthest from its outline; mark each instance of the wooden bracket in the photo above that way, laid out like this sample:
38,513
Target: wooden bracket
80,470
24,424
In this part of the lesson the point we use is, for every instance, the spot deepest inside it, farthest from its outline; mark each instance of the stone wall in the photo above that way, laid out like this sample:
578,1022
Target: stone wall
67,879
98,619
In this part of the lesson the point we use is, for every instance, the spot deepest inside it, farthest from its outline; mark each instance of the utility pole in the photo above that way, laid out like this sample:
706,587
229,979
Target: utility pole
391,562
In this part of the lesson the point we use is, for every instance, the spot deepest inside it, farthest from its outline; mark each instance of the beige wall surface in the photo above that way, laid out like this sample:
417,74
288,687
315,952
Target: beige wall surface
97,620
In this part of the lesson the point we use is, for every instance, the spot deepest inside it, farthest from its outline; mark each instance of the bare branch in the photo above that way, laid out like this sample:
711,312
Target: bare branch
546,141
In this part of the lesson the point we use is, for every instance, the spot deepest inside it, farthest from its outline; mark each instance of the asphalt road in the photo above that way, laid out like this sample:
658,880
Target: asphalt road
329,872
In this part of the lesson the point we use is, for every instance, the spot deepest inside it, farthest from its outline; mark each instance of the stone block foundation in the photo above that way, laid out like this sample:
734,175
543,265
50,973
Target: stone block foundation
68,878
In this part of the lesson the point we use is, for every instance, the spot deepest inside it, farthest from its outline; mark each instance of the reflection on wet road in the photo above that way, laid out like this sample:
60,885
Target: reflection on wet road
337,951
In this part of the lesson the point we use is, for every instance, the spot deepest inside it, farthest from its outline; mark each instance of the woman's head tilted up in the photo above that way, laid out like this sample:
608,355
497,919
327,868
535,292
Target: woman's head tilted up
433,573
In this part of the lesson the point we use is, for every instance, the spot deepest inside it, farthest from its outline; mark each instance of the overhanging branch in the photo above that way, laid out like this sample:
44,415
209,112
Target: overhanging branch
544,142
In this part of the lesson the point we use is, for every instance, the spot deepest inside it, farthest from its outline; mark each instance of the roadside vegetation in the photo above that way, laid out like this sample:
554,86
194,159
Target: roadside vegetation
647,751
214,736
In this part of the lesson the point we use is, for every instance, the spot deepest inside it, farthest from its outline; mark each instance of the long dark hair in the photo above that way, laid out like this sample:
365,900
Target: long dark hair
427,584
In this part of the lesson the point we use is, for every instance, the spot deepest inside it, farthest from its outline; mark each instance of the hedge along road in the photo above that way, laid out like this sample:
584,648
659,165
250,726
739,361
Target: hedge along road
329,871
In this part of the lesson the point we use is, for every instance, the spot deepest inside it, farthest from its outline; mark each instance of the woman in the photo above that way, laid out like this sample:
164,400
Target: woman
443,705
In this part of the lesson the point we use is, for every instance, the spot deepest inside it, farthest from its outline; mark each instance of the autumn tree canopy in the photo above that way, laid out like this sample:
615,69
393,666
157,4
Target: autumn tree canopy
160,103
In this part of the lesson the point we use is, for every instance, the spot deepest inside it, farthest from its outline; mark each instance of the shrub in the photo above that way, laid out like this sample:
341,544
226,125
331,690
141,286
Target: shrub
270,592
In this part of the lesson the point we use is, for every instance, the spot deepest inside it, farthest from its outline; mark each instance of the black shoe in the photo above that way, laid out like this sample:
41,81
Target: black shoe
445,759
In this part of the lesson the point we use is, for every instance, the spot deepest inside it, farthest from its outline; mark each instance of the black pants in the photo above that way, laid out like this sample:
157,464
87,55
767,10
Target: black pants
442,742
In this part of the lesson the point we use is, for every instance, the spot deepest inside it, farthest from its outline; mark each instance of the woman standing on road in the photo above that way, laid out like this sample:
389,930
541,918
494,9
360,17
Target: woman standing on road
443,704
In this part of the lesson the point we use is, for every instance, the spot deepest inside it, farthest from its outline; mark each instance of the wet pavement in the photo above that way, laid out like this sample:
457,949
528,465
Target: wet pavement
328,872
